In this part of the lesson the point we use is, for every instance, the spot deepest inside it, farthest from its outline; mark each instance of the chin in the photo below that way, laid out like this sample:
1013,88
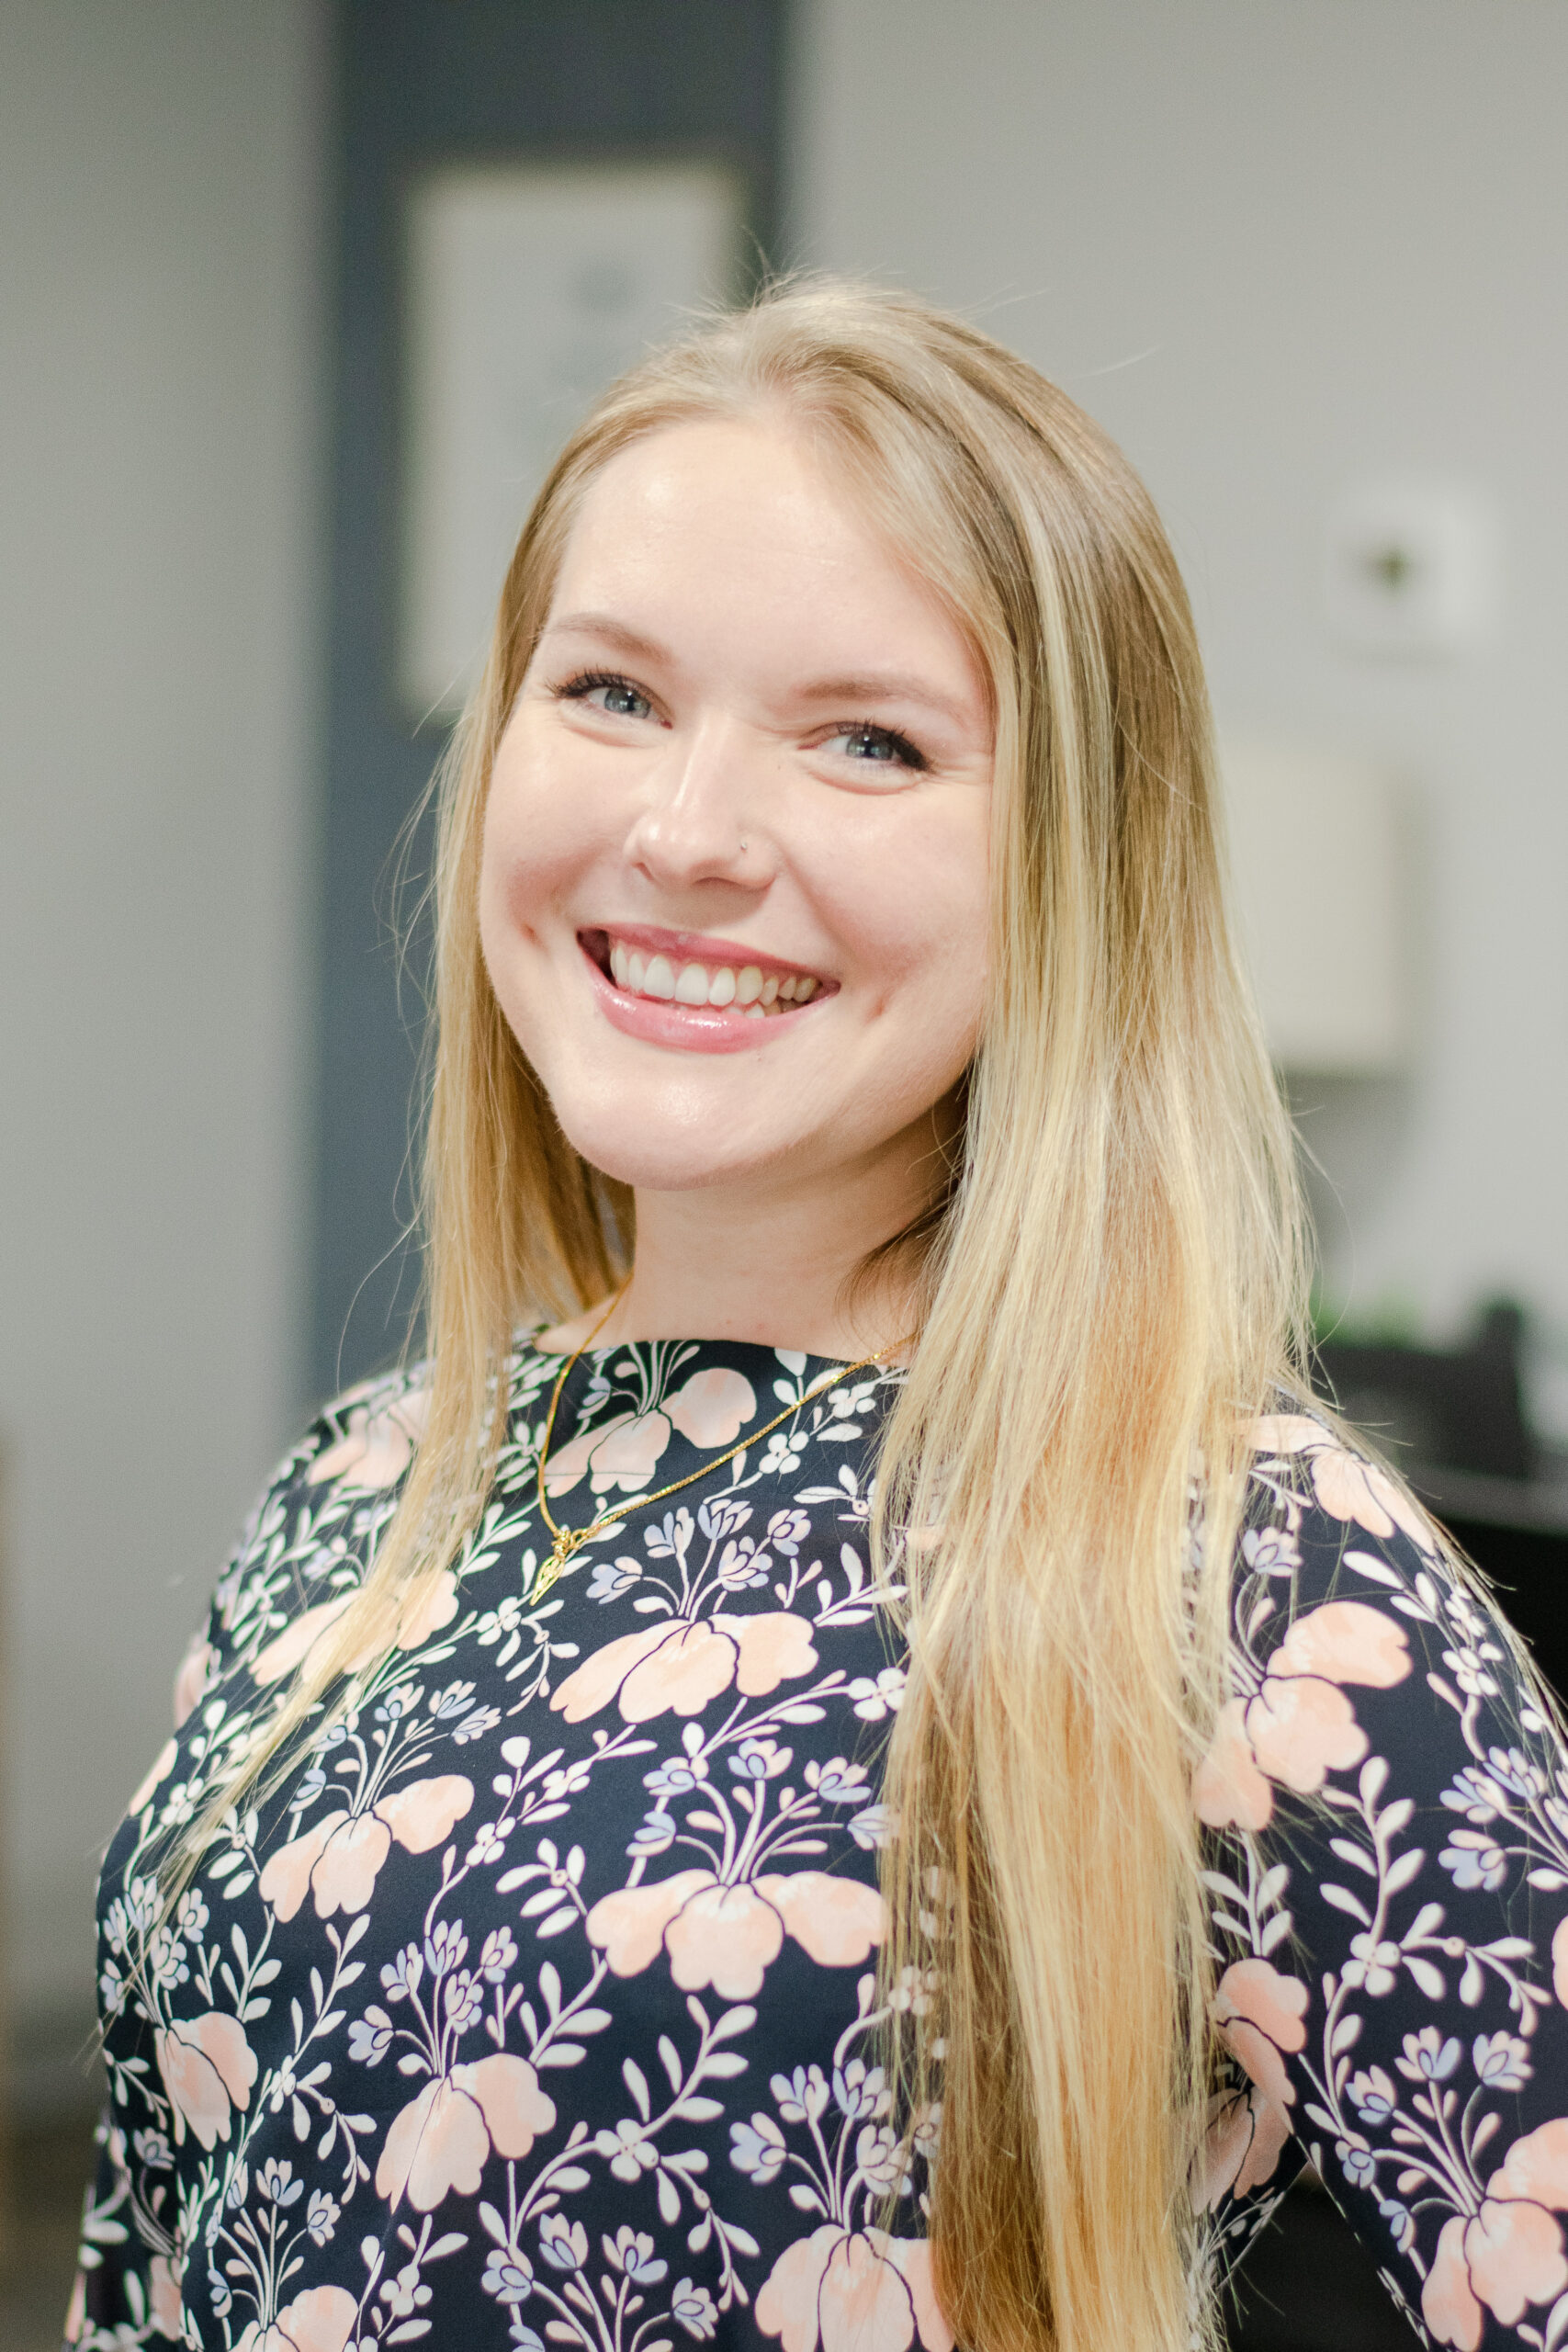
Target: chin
680,1151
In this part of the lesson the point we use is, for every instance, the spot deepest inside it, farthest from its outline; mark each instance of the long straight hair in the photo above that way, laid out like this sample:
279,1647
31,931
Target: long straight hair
1109,1287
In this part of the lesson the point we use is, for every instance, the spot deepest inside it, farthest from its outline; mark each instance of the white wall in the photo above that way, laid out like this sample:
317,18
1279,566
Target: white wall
1276,248
158,332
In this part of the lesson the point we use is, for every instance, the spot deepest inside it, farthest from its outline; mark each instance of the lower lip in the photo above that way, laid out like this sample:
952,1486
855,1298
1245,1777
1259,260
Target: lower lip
692,1029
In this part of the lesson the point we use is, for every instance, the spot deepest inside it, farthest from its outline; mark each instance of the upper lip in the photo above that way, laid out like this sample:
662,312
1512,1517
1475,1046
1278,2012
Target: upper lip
697,948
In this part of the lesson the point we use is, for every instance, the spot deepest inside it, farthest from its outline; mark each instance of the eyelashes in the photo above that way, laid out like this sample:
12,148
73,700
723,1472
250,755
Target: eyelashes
588,682
880,746
885,745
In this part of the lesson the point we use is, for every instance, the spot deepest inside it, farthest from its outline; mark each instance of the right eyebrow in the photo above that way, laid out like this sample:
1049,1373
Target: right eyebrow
605,626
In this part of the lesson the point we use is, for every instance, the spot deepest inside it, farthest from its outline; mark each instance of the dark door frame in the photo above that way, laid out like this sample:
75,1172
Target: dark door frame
419,82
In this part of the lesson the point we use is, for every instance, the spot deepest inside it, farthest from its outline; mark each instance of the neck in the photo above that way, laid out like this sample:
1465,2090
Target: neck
770,1263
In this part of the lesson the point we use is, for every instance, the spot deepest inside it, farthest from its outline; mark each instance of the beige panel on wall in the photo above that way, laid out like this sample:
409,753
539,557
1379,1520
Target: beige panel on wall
1321,878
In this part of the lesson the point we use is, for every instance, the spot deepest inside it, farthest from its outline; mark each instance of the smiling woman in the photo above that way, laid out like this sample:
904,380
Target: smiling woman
889,1778
786,683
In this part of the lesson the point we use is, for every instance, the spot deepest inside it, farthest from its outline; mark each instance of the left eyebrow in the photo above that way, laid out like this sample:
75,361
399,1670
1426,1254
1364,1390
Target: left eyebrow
874,686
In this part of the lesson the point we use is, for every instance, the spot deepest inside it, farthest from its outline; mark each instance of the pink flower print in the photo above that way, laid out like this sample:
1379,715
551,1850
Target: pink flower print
294,1644
1298,1726
208,2068
191,1681
1560,1962
729,1936
1285,1434
431,1604
622,1454
443,2139
377,1446
1258,2015
1241,2147
1508,2255
1345,1487
163,1765
850,2292
1359,1490
713,1408
321,2320
338,1860
677,1668
164,2300
430,1607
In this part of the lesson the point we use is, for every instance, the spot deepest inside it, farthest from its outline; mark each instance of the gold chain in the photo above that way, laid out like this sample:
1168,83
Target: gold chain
569,1540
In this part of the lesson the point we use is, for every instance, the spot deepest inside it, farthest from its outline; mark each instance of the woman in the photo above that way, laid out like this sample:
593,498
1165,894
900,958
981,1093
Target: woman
623,1878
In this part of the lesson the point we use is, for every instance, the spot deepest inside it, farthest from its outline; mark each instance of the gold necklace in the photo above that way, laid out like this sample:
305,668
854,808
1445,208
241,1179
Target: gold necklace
569,1540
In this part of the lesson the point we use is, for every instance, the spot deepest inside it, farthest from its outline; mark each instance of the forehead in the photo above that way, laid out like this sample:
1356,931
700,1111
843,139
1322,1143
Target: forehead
729,528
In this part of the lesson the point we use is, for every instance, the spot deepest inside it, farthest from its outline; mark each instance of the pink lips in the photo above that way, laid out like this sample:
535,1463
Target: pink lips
694,1029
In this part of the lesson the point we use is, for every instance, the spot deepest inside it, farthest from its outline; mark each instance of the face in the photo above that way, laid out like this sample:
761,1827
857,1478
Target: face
734,894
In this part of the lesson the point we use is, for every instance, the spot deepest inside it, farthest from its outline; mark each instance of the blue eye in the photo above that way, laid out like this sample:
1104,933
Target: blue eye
617,697
878,746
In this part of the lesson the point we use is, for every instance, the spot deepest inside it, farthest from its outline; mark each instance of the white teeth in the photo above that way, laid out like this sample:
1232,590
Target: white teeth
721,986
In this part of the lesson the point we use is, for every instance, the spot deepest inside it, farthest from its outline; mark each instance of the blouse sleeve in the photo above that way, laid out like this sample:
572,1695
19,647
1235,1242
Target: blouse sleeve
299,1558
1387,1801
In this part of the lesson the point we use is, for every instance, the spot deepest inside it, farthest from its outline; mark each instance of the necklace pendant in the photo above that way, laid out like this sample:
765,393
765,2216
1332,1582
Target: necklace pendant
567,1541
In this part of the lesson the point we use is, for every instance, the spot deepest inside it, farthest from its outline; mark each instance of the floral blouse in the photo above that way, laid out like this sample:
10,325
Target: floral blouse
537,2003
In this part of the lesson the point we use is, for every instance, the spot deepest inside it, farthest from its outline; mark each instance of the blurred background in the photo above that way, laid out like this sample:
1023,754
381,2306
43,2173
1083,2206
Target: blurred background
281,279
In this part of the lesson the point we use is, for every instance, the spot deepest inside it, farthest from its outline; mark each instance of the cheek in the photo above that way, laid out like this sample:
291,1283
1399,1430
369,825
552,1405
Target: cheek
532,845
913,907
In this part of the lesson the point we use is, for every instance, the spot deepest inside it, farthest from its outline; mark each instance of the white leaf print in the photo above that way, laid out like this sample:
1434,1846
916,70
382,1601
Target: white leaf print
637,2082
1428,1978
1407,1867
1377,1570
1343,1900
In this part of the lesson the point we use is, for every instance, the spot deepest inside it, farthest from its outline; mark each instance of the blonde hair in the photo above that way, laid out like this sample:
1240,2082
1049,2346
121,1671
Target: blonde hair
1110,1289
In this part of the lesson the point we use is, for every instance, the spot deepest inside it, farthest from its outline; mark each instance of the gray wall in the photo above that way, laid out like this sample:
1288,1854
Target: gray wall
158,256
1277,247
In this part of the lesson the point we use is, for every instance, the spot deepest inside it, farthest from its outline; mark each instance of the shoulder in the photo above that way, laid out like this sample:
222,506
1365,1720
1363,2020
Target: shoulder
1353,1625
1322,1520
304,1548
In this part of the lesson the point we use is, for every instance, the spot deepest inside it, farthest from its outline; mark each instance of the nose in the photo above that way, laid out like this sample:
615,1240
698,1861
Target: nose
691,825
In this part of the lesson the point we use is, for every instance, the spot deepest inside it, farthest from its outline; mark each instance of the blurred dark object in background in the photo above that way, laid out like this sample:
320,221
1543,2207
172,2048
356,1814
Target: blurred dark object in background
1454,1423
1460,1408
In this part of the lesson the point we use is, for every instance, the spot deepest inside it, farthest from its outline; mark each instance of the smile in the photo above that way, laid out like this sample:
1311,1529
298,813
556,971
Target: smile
678,987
